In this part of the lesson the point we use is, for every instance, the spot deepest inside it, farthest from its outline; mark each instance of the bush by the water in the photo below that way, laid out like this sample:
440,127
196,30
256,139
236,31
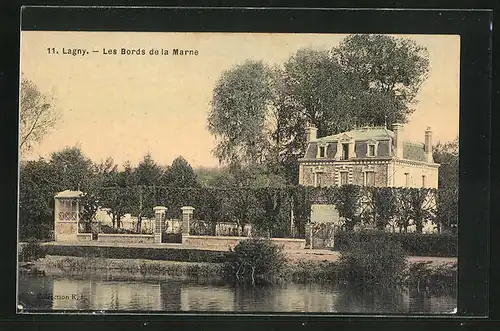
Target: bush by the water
424,276
167,254
415,244
31,251
256,259
372,263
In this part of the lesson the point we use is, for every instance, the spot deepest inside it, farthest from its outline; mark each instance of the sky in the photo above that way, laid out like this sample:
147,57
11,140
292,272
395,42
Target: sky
124,106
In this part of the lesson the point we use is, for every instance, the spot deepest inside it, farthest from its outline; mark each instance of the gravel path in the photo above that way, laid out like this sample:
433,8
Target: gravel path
332,256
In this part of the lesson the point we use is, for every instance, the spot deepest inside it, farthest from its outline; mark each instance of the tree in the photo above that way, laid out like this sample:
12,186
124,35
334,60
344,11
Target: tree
383,206
417,205
349,205
237,116
148,173
37,187
180,174
118,202
447,155
390,70
73,170
37,115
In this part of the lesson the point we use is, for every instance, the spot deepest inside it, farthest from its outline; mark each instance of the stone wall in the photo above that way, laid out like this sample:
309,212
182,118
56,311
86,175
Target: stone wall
223,243
125,238
84,237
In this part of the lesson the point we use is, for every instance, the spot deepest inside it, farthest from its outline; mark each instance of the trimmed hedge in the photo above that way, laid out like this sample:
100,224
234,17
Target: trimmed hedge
166,254
415,244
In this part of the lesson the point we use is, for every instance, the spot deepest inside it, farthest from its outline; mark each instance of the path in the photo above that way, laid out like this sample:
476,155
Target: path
317,255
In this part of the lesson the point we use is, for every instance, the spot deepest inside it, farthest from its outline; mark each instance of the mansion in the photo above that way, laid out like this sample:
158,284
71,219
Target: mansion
369,156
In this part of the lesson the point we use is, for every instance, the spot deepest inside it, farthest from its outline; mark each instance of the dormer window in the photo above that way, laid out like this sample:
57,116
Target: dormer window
345,151
371,150
322,150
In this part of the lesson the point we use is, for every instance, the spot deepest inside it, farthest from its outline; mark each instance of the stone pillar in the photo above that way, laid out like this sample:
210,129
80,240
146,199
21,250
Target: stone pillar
159,223
187,215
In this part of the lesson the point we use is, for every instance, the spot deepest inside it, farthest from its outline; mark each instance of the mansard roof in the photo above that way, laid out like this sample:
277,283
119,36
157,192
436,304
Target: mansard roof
414,151
366,133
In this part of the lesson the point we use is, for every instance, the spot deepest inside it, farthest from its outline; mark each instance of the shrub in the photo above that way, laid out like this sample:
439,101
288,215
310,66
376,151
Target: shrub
415,244
373,263
434,279
256,259
311,272
31,251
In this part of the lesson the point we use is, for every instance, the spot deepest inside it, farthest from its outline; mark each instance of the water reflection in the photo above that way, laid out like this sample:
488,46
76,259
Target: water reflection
88,292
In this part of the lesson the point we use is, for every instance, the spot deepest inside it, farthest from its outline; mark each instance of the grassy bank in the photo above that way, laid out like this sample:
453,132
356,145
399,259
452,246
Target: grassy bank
132,266
419,276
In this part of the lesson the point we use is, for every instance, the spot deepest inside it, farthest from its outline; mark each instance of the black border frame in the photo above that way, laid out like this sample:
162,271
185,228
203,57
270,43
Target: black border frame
475,97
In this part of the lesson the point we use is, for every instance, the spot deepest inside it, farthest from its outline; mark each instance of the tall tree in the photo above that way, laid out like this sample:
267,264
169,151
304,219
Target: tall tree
37,115
148,172
37,187
74,171
180,174
238,112
390,70
447,155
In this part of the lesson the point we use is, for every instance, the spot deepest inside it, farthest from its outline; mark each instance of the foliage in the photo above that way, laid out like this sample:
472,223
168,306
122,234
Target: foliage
31,251
118,203
180,174
348,201
416,205
147,173
390,70
373,262
37,115
447,155
424,276
383,204
73,169
237,115
415,244
36,199
256,259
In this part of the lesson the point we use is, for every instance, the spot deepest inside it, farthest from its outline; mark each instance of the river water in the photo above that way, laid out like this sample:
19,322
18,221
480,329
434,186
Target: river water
104,292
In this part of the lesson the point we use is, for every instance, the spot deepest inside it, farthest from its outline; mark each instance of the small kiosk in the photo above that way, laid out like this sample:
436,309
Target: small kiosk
67,210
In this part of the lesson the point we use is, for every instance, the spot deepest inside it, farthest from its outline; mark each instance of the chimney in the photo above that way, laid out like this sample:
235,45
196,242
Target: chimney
428,144
311,133
397,128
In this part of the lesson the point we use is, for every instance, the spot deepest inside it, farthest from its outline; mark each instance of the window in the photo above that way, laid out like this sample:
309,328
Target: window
344,178
370,178
322,151
407,179
423,181
371,150
319,179
345,151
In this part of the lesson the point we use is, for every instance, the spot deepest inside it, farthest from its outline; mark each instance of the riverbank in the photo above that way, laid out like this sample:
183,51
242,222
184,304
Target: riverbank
295,271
